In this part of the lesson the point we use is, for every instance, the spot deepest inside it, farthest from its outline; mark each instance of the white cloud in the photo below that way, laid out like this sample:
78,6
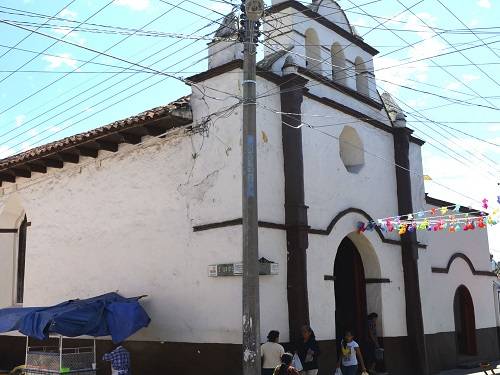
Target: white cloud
418,102
484,3
137,5
25,146
66,32
470,77
63,59
455,85
359,22
475,145
54,129
66,13
466,78
5,151
223,8
20,120
416,64
33,132
386,70
427,48
494,128
473,23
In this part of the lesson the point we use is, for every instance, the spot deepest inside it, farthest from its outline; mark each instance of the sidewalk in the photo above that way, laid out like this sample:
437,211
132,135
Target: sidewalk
474,371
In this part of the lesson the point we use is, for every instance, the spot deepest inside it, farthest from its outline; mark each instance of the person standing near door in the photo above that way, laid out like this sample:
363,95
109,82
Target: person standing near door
271,353
308,351
350,356
372,343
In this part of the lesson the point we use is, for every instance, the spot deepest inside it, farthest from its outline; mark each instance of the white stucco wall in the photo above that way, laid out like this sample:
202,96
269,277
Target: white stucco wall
438,289
125,223
330,189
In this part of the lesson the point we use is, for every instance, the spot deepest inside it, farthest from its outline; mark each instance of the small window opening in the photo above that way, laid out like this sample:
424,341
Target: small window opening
351,150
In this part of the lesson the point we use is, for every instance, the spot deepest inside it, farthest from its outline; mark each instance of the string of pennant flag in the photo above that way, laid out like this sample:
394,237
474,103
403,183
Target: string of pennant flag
447,218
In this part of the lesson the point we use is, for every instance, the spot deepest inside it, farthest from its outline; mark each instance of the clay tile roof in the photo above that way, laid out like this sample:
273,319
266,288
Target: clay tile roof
97,133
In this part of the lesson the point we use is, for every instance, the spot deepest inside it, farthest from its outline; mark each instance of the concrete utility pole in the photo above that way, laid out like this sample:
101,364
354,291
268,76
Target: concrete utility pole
252,11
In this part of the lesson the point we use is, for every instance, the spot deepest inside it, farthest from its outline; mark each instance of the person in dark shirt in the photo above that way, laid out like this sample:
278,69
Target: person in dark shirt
308,351
286,367
372,344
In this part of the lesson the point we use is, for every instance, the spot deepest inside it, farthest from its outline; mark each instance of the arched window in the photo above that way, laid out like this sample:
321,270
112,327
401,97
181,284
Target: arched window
21,260
351,150
361,77
14,223
465,321
338,64
313,51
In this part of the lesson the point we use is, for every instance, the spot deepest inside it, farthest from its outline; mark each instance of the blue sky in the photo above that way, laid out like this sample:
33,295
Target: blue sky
31,114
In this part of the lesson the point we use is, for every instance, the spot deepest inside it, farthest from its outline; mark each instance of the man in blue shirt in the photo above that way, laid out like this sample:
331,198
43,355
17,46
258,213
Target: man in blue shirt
120,361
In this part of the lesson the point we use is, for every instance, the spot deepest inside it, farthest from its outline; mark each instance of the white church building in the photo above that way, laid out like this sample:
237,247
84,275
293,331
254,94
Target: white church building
151,204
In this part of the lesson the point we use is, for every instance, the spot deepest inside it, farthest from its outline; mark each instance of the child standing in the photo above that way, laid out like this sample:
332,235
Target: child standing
350,356
286,366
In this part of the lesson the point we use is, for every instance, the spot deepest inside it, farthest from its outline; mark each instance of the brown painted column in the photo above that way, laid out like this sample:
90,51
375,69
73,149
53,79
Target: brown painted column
414,319
295,208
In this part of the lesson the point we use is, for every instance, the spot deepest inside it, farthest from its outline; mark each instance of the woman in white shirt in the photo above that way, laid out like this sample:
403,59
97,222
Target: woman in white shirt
271,353
350,356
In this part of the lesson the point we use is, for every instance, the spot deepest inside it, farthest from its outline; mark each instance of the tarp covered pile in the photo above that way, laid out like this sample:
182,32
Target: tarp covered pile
106,315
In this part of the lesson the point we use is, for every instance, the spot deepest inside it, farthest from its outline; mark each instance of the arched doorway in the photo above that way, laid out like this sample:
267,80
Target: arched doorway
465,322
350,292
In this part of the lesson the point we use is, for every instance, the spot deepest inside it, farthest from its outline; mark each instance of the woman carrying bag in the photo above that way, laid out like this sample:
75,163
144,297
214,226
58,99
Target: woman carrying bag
350,356
308,351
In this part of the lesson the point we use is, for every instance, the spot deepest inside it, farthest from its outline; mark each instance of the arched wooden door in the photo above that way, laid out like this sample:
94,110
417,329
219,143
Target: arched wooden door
350,292
465,322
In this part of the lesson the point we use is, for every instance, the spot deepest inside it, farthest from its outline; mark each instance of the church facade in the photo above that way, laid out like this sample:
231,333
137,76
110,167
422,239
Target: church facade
152,205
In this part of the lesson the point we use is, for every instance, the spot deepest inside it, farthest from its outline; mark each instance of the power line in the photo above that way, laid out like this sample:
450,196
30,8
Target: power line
102,53
146,141
453,151
308,20
27,36
414,61
453,100
468,28
146,48
120,92
94,94
141,90
312,127
446,40
58,56
465,133
134,32
57,40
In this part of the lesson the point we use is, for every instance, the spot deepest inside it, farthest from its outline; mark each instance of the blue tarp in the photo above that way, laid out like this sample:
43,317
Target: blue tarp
106,315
